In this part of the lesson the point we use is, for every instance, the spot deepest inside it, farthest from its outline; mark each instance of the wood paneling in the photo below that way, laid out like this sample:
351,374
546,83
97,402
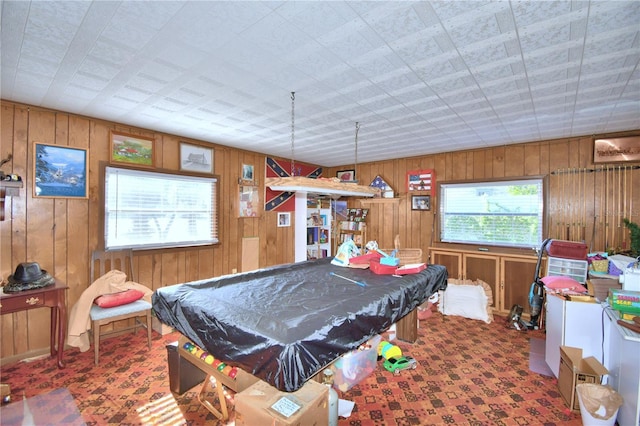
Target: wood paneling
61,233
541,158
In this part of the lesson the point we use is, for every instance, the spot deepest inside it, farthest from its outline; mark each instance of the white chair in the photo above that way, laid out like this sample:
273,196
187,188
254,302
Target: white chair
102,262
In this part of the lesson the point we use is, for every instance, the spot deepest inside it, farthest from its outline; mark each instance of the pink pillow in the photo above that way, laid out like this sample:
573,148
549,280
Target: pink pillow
555,282
118,299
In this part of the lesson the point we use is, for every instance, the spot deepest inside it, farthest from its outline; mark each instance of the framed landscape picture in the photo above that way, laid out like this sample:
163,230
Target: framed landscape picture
134,150
59,171
194,158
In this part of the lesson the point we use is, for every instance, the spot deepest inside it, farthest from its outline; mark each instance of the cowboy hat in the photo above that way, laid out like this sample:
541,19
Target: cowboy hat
28,276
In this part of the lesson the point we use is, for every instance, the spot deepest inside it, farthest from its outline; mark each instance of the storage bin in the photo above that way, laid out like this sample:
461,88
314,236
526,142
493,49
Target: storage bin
576,269
352,367
567,249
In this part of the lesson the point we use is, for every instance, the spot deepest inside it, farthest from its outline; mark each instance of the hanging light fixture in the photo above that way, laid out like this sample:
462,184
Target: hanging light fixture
355,164
320,186
293,161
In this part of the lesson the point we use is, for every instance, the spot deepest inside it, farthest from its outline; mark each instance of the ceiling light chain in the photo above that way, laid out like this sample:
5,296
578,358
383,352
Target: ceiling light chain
355,166
293,161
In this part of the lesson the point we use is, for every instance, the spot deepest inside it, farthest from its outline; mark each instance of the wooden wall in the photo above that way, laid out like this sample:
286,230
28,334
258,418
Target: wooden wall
60,233
581,206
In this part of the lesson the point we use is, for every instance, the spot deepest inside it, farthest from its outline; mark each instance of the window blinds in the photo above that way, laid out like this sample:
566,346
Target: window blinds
145,210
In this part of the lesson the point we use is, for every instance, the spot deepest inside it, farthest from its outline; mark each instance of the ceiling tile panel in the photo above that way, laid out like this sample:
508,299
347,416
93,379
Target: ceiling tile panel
112,54
423,77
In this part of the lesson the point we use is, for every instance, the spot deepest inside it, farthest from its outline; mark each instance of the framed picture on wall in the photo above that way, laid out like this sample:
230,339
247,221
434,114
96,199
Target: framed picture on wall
247,172
421,202
421,180
194,158
346,175
249,201
284,219
59,171
134,150
616,150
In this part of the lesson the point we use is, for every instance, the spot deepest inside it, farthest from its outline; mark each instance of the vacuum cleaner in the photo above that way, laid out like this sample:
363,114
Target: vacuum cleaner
536,299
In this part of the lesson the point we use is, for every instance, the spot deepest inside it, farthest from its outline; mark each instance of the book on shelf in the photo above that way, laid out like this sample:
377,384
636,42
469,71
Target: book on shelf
312,236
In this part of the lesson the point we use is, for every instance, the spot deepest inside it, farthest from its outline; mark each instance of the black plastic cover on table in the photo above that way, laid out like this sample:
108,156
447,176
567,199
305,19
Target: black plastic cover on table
284,324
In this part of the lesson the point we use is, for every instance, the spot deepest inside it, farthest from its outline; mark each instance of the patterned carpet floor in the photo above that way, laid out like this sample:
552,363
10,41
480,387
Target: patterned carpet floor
469,373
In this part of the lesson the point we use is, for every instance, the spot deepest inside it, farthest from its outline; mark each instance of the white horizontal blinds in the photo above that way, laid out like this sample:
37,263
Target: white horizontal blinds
507,213
154,210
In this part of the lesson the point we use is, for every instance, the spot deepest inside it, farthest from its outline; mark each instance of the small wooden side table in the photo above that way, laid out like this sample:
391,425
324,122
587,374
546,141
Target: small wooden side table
54,297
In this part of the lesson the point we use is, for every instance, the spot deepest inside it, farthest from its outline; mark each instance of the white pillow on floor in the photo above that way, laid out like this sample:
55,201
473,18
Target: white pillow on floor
469,301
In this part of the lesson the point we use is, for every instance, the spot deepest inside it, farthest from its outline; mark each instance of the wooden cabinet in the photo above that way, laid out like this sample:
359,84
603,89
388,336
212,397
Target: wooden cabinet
509,275
516,276
449,259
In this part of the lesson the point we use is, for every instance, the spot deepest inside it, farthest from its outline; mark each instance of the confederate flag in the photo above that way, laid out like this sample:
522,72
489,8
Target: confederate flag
279,201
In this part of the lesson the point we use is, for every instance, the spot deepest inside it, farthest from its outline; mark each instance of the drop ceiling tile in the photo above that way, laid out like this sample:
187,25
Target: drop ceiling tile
107,52
410,71
607,15
394,22
316,18
485,53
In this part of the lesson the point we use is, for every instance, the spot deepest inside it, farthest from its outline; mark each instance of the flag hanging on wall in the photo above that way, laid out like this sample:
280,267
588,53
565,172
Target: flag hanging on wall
281,201
421,180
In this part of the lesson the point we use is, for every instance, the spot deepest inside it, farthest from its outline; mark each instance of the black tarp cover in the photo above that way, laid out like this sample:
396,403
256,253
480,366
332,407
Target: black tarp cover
283,324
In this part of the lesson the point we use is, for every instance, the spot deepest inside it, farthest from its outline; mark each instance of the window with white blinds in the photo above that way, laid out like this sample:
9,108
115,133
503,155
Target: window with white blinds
146,210
505,213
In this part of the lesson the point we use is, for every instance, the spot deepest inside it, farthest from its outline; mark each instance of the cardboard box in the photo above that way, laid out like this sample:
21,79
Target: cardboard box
262,404
625,301
352,367
575,370
380,269
160,327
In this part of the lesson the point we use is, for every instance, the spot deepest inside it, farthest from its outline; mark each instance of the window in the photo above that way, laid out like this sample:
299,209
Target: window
145,210
504,213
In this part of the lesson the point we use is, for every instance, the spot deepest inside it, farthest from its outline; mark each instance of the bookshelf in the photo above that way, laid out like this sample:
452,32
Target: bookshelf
318,232
354,227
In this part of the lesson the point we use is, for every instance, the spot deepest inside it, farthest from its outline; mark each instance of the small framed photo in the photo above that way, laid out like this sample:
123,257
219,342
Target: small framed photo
284,219
420,202
247,172
59,171
346,175
194,158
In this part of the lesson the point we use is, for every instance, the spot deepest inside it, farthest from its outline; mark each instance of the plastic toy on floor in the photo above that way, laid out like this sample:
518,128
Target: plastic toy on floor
394,361
394,365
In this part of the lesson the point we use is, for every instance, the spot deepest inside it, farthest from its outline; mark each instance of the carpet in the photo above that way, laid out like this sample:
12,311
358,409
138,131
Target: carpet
469,373
537,363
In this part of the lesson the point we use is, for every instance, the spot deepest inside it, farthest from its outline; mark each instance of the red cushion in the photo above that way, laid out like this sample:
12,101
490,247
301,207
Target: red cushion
117,299
554,282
